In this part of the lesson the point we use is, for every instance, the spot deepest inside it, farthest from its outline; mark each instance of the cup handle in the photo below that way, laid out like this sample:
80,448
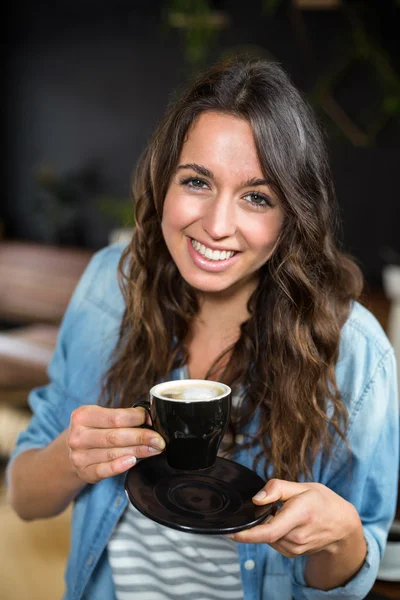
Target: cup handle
146,405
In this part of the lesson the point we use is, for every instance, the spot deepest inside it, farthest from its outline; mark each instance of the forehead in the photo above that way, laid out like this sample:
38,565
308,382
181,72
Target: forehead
217,140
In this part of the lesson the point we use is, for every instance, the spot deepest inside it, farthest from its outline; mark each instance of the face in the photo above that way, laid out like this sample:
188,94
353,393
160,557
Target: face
221,220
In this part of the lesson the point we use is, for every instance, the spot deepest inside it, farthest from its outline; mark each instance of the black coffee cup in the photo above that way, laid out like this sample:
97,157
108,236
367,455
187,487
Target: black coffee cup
192,416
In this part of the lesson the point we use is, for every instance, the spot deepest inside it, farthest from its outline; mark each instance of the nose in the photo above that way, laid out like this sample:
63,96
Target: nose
219,219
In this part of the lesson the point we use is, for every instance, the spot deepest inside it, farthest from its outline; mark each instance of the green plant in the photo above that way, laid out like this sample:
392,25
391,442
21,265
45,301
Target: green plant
116,209
198,24
197,20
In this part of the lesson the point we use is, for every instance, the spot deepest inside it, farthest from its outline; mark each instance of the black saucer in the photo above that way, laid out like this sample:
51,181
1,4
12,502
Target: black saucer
214,501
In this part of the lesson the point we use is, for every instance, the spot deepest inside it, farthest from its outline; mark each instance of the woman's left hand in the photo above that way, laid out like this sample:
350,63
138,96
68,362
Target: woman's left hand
312,518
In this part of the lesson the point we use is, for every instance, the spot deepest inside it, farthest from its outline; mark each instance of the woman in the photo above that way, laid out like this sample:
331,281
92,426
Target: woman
232,274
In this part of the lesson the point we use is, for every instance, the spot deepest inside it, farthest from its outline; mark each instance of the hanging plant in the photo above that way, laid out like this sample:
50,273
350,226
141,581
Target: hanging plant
199,25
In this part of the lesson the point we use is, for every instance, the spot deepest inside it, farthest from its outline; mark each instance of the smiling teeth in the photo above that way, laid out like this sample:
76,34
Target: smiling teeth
212,254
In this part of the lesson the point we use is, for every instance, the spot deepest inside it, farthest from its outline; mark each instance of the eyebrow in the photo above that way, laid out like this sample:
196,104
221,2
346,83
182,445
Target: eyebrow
200,170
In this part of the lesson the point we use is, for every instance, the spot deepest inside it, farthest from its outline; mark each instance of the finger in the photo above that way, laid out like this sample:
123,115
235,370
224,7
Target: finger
101,417
88,438
285,522
292,521
100,471
278,490
289,549
87,458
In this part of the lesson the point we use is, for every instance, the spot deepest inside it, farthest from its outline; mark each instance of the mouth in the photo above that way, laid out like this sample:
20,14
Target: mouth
210,254
209,259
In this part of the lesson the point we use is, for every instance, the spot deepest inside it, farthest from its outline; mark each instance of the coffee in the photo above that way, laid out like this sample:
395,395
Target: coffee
192,416
195,392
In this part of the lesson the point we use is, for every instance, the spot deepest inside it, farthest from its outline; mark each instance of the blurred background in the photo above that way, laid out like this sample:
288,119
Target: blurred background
86,83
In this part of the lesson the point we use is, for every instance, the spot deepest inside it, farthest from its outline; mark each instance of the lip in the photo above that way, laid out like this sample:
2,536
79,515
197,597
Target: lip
212,266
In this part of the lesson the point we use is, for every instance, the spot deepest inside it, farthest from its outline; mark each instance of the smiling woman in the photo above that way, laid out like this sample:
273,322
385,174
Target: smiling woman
229,211
232,274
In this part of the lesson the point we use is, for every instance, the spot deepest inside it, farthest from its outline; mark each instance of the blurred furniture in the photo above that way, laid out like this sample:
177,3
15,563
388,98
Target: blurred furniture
24,353
388,580
383,590
37,282
391,282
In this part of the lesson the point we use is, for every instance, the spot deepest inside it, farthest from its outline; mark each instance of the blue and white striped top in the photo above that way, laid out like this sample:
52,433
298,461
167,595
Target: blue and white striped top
152,562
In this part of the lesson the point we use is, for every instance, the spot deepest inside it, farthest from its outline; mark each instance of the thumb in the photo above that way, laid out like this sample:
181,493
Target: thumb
279,490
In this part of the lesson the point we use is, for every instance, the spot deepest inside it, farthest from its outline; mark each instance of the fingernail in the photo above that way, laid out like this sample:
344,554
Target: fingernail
129,460
154,450
230,536
260,495
158,443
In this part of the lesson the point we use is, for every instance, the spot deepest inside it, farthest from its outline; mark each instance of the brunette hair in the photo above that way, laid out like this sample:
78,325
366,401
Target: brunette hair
285,357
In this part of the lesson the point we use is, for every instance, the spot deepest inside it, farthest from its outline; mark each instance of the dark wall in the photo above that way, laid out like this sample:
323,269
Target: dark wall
85,88
87,82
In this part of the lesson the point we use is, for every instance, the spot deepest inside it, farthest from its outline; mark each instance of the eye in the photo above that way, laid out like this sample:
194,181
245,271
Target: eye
194,183
258,200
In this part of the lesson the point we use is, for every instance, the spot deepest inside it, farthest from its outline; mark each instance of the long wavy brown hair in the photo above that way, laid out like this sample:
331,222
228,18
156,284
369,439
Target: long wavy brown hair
285,357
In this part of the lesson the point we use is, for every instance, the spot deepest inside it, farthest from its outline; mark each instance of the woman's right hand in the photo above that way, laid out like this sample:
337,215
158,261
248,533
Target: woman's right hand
104,442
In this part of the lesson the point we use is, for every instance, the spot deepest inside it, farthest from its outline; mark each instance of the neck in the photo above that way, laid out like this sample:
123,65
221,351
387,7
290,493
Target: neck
227,309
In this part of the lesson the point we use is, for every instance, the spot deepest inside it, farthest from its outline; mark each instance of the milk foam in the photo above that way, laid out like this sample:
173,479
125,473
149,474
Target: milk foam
191,393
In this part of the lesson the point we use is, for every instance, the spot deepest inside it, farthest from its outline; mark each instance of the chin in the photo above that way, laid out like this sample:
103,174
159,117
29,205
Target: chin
210,289
202,285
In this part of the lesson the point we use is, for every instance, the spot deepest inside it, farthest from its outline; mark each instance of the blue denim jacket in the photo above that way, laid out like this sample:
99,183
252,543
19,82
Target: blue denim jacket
366,376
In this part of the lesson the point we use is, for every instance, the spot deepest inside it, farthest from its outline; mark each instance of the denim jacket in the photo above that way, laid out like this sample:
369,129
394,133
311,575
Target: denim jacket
366,377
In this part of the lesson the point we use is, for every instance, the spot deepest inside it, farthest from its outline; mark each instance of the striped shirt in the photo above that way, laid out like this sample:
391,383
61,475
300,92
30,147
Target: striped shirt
152,562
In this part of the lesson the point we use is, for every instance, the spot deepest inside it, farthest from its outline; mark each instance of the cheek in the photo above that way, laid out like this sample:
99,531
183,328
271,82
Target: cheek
170,214
179,212
263,236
